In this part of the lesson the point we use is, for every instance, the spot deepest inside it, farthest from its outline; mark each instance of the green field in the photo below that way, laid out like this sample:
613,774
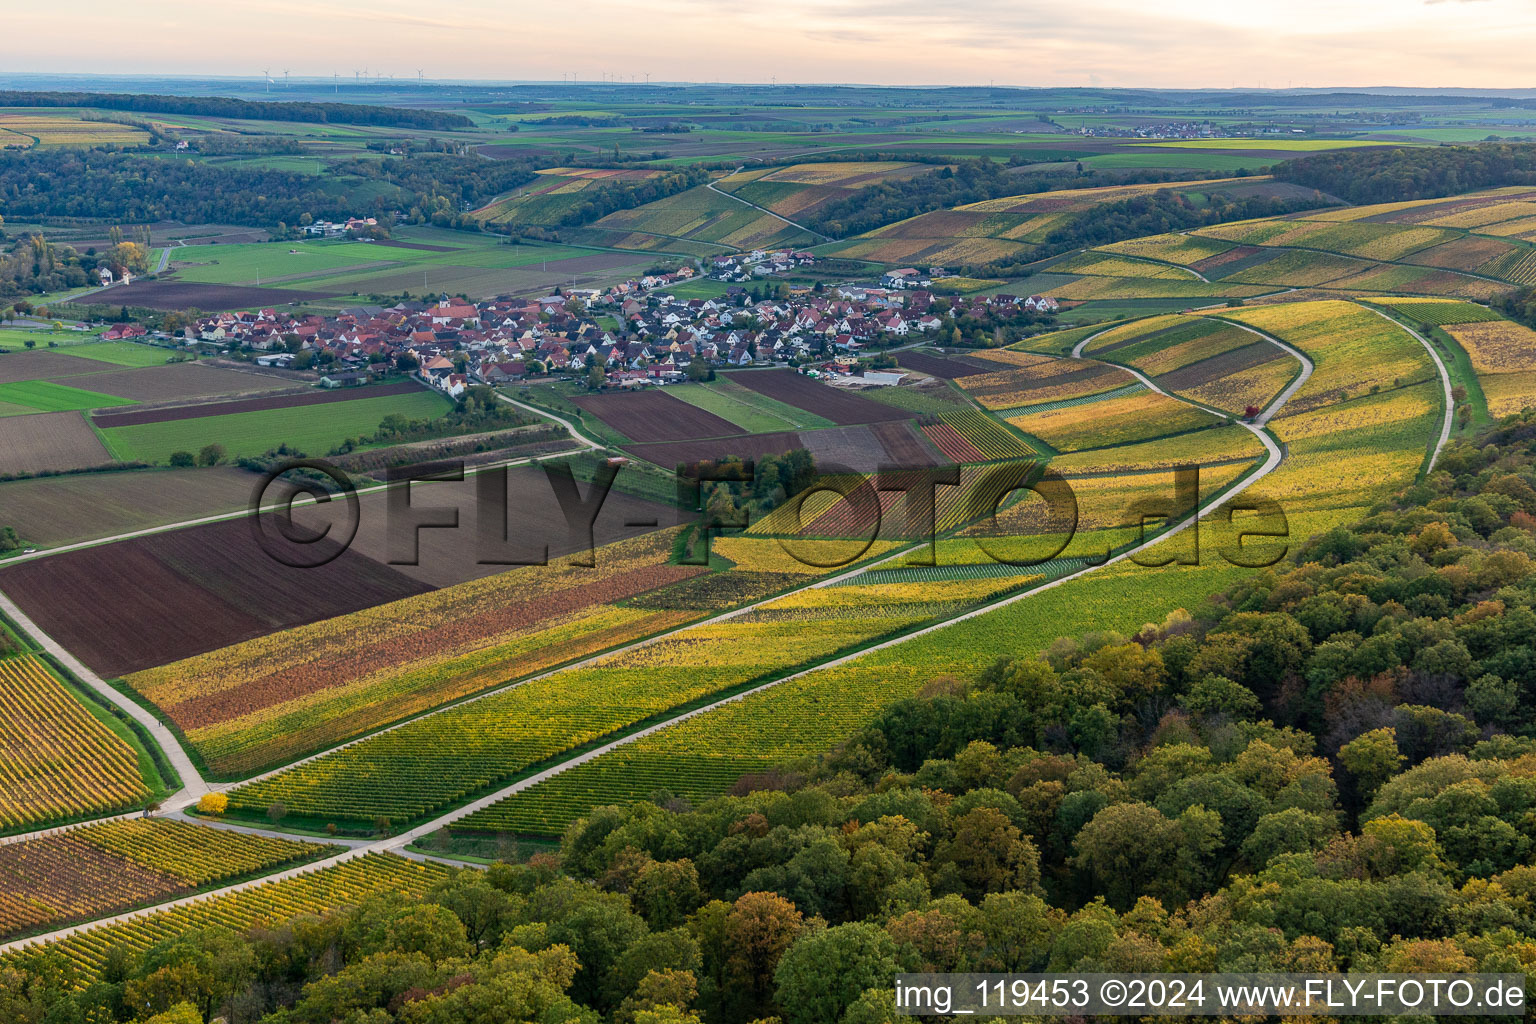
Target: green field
46,396
122,353
740,395
313,429
727,405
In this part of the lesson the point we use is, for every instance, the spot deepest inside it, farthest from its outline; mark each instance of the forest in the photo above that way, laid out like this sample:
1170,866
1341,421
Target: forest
124,187
1330,767
1394,174
223,106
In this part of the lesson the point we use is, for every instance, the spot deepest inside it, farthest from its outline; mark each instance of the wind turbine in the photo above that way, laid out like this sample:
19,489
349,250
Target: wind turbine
336,82
267,74
285,78
418,75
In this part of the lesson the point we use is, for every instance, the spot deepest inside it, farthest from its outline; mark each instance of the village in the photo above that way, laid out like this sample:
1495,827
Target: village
633,334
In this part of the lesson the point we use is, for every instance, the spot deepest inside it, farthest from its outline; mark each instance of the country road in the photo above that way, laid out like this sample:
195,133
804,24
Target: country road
397,843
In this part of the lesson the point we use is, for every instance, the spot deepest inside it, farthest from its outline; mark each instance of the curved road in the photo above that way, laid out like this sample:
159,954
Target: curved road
1445,384
395,844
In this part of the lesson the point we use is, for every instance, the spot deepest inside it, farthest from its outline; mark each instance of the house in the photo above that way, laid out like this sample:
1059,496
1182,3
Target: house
344,380
906,277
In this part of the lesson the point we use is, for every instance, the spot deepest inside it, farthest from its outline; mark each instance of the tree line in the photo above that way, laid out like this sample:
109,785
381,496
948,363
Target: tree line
1379,174
108,185
250,110
1152,213
1330,767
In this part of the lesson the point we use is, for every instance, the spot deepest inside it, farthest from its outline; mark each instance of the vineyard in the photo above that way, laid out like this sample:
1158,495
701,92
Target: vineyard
269,700
264,906
1118,421
1355,350
107,868
57,760
1343,452
1438,312
1504,355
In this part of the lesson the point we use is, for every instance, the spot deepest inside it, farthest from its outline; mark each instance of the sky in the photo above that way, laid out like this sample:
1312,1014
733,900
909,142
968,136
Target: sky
1126,43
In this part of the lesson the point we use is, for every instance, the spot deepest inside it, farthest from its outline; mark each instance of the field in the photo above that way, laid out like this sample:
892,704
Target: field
1504,355
60,761
802,189
100,870
670,454
751,412
651,416
46,396
558,190
801,392
25,130
1372,442
266,906
1437,312
1111,422
49,441
150,600
121,353
1355,350
1038,380
314,429
1014,226
428,765
139,417
52,510
700,215
270,699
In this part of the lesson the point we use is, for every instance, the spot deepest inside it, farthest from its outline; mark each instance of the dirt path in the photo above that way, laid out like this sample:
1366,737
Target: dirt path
786,220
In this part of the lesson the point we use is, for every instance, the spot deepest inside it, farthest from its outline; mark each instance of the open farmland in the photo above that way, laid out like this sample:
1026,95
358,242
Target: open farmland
149,600
670,454
803,716
60,761
271,699
174,414
120,353
312,428
802,189
66,509
46,396
795,389
179,381
547,200
1113,421
1028,380
49,442
1015,226
650,416
700,215
50,130
1504,355
105,869
171,294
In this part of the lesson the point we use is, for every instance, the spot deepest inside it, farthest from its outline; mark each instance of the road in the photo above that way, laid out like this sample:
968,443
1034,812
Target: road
786,220
1445,385
396,844
192,782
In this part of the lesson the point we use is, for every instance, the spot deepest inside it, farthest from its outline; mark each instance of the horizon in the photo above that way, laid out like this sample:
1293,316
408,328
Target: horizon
397,80
1101,43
